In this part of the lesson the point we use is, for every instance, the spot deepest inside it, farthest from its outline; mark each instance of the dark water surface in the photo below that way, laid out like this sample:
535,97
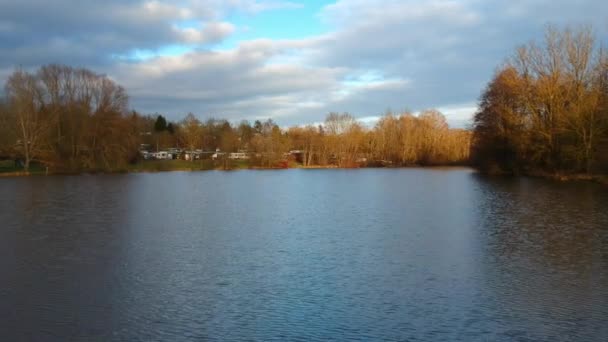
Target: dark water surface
410,255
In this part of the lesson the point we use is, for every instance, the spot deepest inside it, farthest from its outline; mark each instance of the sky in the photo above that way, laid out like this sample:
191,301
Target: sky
292,61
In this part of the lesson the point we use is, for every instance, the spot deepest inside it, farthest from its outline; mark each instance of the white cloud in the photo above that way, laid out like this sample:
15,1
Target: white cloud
399,54
207,33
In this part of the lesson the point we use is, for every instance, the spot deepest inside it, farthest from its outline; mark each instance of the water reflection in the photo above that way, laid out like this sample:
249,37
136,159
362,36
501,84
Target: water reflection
303,254
545,259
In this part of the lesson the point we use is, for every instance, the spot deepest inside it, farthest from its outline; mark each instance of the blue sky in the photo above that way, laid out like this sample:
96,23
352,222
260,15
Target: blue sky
288,23
290,60
293,22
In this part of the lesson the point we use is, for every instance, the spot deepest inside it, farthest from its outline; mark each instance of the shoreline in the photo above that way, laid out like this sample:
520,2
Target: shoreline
594,178
136,170
580,177
16,174
556,177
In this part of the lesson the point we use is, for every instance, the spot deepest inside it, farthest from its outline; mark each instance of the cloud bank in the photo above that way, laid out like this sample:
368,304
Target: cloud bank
374,55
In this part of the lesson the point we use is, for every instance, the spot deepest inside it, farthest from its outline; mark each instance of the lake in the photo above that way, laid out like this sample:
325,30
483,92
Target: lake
370,254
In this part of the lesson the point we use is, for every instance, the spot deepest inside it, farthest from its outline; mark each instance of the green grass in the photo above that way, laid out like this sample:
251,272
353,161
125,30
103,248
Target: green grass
171,165
238,164
9,166
183,165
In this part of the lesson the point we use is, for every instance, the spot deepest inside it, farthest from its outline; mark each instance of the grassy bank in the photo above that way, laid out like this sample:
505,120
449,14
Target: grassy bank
183,165
555,176
8,168
601,179
171,165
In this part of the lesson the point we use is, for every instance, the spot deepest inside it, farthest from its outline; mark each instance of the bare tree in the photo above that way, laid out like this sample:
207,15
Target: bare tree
191,132
26,101
544,110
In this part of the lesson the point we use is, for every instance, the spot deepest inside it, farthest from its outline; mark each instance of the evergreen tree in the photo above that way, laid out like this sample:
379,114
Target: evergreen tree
161,124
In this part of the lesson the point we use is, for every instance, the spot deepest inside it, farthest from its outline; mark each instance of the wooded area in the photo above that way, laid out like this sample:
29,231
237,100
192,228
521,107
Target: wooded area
67,119
73,120
546,109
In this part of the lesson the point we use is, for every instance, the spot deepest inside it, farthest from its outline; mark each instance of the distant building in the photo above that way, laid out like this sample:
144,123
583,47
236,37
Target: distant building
162,155
238,155
217,155
193,155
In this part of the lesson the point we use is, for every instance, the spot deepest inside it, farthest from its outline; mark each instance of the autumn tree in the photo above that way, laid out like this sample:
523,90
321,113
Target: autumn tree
7,132
305,139
245,133
69,118
29,118
74,119
423,139
229,138
544,109
343,137
500,136
270,144
191,132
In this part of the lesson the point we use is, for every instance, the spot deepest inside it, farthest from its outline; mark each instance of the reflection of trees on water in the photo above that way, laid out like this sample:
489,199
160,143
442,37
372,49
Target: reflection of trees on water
546,256
562,225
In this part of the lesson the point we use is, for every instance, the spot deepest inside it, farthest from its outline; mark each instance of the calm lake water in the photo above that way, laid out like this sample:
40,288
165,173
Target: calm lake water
399,254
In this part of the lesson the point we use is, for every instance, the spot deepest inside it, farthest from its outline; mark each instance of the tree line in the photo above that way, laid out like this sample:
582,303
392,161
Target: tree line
73,119
546,109
66,119
341,140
